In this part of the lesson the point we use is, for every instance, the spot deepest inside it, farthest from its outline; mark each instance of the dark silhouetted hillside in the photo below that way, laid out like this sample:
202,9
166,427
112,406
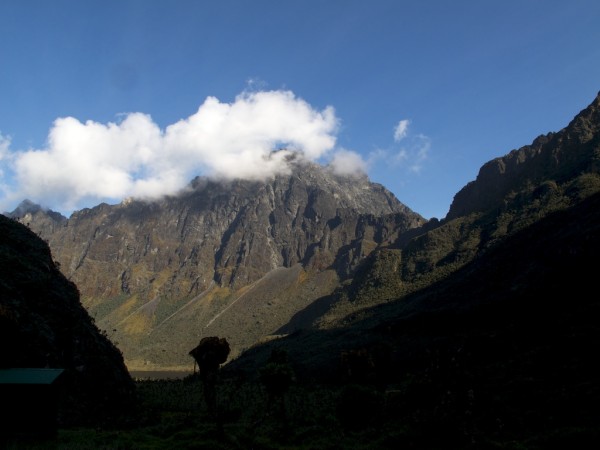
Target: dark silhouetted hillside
43,324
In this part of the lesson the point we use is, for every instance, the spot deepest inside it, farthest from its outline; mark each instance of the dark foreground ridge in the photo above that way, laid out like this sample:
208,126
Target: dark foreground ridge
44,325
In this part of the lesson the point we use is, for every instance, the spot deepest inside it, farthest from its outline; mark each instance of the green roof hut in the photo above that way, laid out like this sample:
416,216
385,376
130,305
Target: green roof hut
29,402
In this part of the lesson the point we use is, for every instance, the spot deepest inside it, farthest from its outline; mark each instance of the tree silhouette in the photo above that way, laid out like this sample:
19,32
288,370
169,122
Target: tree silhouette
209,354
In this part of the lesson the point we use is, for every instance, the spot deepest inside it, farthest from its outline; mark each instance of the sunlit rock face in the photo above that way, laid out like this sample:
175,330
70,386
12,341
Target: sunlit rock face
182,263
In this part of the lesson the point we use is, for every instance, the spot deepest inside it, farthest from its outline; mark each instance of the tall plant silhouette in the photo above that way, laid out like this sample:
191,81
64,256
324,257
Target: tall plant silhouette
209,354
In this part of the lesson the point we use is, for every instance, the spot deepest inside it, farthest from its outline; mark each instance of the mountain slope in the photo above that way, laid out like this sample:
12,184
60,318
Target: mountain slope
552,174
249,260
498,355
556,156
480,328
160,275
531,253
43,324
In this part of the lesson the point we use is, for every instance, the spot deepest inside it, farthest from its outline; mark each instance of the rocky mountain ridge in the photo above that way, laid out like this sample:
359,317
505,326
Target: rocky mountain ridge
251,261
510,193
555,156
497,355
195,256
479,328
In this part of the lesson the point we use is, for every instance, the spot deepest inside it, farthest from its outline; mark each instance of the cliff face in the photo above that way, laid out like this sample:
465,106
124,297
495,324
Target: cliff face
511,193
43,324
555,156
186,261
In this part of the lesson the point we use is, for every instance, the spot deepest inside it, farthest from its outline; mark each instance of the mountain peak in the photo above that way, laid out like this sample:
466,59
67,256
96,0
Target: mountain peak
551,157
25,207
189,258
28,207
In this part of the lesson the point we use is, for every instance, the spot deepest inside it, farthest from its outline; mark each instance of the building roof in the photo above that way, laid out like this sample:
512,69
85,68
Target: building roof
29,376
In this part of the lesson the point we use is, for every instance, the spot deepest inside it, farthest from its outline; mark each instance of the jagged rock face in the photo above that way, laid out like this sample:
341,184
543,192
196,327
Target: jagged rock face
511,193
555,156
138,263
228,233
45,222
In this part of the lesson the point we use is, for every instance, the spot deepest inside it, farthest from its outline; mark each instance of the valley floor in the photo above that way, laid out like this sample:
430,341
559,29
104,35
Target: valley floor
172,415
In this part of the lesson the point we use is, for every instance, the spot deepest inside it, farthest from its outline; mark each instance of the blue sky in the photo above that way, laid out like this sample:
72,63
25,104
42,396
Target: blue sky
101,100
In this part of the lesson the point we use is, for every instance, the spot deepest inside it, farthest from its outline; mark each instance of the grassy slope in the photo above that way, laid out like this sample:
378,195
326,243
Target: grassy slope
499,356
504,347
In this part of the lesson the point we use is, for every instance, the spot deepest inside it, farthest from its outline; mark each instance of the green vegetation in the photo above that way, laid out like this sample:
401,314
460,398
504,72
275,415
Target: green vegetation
173,415
100,309
391,273
447,405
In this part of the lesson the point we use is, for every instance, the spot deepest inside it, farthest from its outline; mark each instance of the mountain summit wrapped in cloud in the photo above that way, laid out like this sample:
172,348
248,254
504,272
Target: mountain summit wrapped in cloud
250,138
220,255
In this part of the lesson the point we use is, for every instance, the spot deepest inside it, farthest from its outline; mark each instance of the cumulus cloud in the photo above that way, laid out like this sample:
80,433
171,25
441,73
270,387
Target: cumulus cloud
247,138
401,130
347,162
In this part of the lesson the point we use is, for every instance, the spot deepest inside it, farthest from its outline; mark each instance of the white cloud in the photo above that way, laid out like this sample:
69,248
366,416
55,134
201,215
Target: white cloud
91,161
401,130
414,150
415,153
400,157
347,162
410,155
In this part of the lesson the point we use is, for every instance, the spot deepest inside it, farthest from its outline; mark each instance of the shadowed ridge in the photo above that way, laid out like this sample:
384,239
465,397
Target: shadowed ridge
43,324
555,156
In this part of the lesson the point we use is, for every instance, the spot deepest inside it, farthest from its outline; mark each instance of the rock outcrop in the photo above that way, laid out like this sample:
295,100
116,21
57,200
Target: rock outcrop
555,156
